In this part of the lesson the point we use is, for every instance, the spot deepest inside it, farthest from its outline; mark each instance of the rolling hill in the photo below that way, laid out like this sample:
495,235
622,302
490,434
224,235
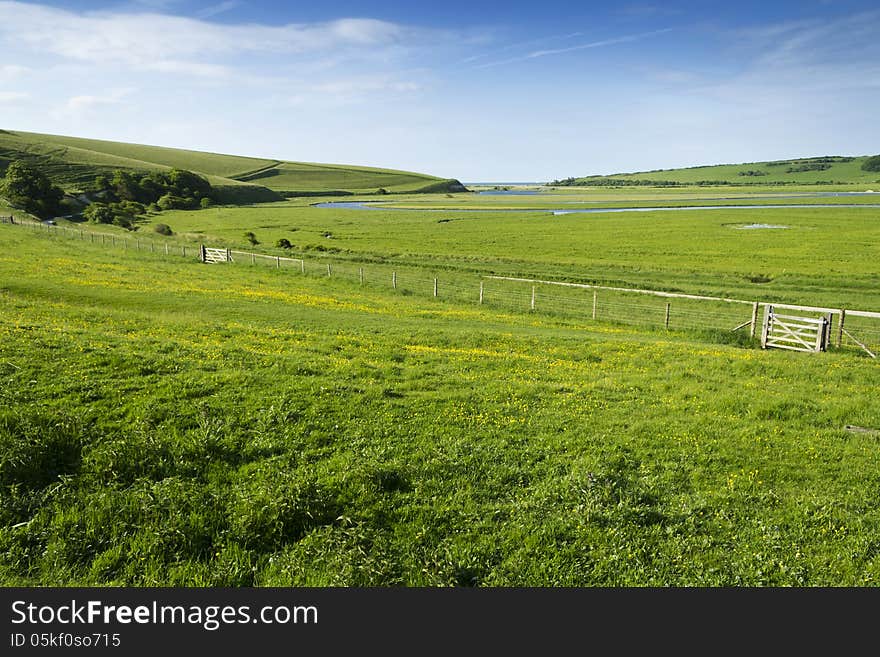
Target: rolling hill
73,163
800,171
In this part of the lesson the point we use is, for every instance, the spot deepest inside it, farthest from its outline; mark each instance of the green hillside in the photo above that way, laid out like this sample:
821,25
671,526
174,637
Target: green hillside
814,170
73,163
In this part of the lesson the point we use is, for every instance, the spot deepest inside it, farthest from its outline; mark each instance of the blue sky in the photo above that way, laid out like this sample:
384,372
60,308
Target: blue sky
478,91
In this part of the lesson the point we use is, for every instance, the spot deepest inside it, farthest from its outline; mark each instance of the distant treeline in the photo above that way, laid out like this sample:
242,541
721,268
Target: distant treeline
811,160
794,166
642,182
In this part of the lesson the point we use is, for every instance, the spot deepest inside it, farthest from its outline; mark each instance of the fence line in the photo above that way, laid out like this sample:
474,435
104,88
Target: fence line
628,306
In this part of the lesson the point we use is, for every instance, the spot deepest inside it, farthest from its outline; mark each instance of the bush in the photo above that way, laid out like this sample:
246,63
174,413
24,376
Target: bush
163,229
284,243
250,237
205,203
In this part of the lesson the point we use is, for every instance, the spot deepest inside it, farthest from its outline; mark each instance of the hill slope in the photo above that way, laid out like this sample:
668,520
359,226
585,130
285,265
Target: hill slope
73,163
802,171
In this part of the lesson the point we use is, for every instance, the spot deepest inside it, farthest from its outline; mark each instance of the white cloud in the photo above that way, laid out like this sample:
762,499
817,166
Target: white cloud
150,40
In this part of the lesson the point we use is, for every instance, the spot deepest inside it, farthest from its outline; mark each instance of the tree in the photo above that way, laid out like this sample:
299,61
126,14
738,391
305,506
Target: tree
172,202
187,184
871,164
250,237
99,213
102,183
284,243
31,190
126,186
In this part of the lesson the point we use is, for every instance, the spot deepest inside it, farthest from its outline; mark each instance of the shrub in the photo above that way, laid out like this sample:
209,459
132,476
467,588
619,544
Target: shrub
250,237
205,203
163,229
284,243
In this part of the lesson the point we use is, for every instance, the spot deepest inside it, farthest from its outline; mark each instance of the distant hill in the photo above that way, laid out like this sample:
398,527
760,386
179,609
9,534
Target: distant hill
73,163
800,171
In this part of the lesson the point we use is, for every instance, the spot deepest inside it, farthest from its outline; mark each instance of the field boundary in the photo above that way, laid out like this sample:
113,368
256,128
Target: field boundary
853,328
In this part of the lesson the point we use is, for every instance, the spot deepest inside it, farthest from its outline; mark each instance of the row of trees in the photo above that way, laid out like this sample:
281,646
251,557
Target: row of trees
117,199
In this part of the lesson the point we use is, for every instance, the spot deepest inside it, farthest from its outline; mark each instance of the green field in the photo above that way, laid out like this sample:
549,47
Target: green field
74,162
387,413
840,170
824,257
165,422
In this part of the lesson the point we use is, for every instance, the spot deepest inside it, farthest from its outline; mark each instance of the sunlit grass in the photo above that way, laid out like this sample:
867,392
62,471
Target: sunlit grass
164,422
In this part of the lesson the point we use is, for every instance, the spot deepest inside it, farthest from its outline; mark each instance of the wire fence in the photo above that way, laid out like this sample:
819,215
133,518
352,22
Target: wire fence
727,319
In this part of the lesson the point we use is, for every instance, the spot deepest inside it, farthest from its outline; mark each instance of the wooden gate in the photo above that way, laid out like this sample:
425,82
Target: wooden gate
210,256
795,332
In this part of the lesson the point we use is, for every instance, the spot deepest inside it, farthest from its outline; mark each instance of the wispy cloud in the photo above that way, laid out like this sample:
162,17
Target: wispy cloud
221,8
83,105
521,44
535,54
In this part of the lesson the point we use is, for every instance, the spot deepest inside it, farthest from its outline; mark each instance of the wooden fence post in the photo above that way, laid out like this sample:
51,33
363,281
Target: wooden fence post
840,327
435,287
361,274
481,293
277,262
253,259
666,321
394,279
152,248
302,266
329,270
768,312
595,302
184,251
754,325
533,297
166,248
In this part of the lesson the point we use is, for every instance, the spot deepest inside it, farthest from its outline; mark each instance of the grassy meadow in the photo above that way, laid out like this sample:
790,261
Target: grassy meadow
825,256
164,422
